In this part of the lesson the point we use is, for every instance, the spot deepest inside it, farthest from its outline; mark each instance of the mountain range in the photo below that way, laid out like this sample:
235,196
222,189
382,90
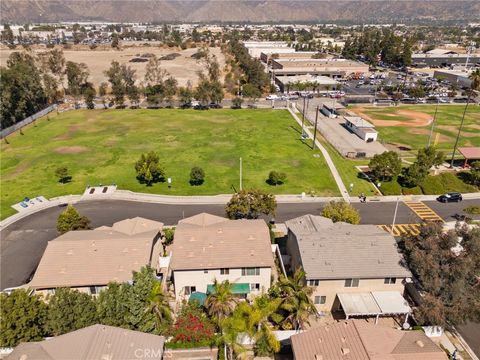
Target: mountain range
357,11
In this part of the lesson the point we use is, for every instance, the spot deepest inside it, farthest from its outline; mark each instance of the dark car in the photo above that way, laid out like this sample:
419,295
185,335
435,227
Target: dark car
214,106
450,197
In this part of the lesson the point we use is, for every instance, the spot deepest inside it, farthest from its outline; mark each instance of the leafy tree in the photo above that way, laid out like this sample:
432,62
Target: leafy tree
50,86
418,171
475,172
185,95
170,86
169,235
77,76
62,174
70,310
157,304
111,305
115,77
276,178
295,303
341,211
148,169
414,175
71,220
221,303
22,318
237,103
449,278
386,165
56,64
102,89
154,74
197,176
115,41
89,96
250,204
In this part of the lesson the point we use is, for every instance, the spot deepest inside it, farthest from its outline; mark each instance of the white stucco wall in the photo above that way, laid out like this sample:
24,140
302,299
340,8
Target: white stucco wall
200,279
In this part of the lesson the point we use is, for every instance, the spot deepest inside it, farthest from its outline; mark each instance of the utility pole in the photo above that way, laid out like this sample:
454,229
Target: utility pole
433,123
303,114
395,214
459,131
240,174
315,128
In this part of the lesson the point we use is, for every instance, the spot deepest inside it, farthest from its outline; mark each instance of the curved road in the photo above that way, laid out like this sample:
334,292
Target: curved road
23,242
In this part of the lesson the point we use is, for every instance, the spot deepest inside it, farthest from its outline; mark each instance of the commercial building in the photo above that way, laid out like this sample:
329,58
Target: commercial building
100,342
460,78
362,128
208,248
271,53
87,260
348,264
444,59
313,82
336,68
255,48
360,340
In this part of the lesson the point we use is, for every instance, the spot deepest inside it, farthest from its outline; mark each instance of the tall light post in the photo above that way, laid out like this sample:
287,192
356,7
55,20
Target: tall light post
240,174
459,131
395,213
433,123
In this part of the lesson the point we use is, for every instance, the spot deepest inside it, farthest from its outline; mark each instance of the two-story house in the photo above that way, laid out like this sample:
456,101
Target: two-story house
341,259
207,248
87,260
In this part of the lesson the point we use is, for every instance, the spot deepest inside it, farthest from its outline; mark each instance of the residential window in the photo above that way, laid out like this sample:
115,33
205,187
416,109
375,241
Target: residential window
390,280
315,282
190,289
224,271
254,287
250,271
351,282
320,300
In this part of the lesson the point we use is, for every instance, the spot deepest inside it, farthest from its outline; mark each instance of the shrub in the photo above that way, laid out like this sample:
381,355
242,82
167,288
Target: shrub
197,176
71,220
237,103
276,178
62,174
341,211
473,210
148,169
444,182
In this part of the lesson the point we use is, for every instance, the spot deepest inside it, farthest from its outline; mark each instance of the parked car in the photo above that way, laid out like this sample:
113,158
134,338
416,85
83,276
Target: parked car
272,97
214,105
450,197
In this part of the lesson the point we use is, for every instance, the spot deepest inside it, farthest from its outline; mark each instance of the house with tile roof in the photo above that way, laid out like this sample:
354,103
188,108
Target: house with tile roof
96,342
359,340
208,247
87,260
357,268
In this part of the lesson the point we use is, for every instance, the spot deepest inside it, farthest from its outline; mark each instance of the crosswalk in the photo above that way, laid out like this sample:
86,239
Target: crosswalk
423,211
401,229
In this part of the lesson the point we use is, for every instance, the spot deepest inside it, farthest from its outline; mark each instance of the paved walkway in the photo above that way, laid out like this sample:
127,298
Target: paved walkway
328,159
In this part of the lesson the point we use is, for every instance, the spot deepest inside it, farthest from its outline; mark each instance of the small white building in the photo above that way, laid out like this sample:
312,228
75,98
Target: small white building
362,128
208,248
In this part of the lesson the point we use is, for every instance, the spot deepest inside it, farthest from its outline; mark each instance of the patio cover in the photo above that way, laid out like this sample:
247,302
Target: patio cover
375,303
237,288
198,296
469,153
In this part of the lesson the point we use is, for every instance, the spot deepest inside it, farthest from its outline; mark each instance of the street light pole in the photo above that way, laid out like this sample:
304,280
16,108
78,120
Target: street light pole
240,174
459,131
315,128
395,214
433,123
303,114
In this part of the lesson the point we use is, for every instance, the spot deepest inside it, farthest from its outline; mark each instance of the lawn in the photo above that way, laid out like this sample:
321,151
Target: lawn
101,146
412,134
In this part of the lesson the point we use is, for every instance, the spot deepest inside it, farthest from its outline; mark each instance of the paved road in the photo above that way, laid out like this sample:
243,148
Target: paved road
23,242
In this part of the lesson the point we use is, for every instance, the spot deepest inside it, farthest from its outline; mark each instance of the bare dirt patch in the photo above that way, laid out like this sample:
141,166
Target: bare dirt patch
417,118
72,129
71,149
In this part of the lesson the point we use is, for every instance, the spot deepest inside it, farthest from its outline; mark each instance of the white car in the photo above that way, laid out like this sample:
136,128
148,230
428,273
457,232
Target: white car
272,97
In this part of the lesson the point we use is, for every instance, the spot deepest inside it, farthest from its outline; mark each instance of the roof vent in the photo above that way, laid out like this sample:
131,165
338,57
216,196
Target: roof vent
70,252
125,250
374,243
318,357
63,270
93,243
220,231
252,252
251,237
344,339
345,351
420,343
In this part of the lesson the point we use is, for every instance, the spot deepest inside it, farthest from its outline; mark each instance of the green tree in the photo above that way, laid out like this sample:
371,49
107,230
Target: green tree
250,204
111,305
385,166
89,96
71,220
115,41
77,76
148,169
414,175
220,303
197,176
22,318
237,103
171,88
70,310
157,304
341,211
276,178
62,174
295,303
252,92
185,95
475,173
115,77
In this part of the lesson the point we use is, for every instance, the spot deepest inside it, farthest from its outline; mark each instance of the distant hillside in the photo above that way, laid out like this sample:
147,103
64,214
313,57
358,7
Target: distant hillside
21,11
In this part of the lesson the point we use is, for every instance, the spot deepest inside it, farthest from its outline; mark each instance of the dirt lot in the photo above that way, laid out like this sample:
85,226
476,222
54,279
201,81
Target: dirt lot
183,68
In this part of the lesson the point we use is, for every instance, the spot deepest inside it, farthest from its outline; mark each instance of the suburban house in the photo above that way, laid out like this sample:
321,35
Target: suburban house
87,260
100,342
208,247
360,340
362,128
356,268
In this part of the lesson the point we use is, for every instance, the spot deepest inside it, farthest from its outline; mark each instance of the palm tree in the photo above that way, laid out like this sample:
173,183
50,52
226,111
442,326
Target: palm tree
221,303
157,304
296,305
475,77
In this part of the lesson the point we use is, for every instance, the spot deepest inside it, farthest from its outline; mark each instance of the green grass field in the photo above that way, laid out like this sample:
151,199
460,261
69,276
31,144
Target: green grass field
101,146
415,137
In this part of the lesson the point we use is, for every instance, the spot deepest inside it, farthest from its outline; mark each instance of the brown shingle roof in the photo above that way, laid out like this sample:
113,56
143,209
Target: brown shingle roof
206,241
96,342
359,340
339,251
93,257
